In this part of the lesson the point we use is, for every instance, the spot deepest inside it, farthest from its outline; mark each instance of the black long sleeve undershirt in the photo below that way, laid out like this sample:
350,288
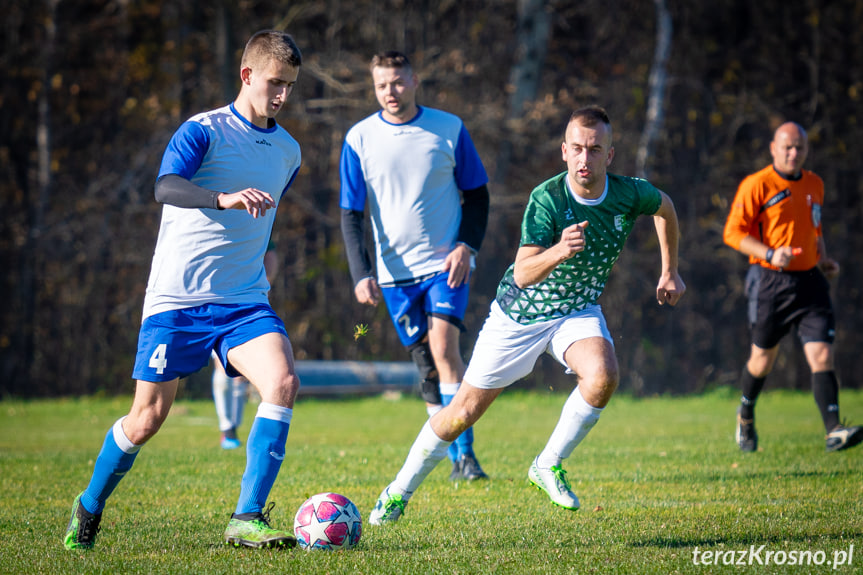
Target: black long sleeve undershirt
353,233
474,217
474,221
178,191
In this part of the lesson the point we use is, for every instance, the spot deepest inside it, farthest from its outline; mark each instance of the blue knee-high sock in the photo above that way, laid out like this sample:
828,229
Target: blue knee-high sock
265,450
114,460
463,445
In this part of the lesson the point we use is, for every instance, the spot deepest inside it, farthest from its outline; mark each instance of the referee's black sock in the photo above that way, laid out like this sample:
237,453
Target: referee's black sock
825,388
751,387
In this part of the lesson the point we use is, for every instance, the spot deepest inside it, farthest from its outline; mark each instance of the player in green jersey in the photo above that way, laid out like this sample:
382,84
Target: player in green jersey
574,228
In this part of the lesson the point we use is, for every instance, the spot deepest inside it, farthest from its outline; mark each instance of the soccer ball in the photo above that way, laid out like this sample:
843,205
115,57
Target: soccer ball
328,521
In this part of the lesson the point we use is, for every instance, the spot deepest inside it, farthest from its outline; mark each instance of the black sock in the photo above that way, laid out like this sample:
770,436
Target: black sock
751,387
825,388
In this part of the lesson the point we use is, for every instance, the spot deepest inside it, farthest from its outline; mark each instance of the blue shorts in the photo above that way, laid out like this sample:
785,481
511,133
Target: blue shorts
178,343
410,305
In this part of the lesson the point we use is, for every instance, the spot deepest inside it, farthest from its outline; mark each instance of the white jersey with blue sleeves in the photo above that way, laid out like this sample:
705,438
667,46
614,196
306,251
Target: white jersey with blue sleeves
206,255
411,175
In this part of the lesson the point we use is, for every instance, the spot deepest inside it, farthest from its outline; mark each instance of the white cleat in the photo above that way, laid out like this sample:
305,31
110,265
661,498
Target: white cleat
843,437
554,482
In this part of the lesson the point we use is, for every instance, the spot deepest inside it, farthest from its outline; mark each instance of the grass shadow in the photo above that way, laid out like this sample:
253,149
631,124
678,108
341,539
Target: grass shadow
778,540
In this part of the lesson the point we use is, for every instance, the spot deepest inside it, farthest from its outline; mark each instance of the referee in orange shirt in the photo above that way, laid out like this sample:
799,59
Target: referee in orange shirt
776,221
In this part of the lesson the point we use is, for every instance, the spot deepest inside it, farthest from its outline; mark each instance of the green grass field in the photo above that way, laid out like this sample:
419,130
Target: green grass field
657,478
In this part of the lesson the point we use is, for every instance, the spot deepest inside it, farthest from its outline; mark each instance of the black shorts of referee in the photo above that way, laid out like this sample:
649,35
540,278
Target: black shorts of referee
782,300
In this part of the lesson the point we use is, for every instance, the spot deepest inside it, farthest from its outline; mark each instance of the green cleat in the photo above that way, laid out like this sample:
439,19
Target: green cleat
388,508
83,527
253,530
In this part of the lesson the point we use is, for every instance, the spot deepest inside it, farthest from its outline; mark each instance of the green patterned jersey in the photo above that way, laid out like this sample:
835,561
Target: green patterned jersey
578,282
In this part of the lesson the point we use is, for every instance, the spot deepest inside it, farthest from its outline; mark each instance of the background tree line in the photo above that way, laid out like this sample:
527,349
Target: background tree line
93,90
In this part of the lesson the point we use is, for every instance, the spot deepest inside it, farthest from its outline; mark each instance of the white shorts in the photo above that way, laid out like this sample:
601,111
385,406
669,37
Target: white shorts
506,350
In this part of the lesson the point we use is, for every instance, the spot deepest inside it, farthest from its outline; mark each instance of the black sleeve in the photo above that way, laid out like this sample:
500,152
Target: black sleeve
353,232
178,191
474,216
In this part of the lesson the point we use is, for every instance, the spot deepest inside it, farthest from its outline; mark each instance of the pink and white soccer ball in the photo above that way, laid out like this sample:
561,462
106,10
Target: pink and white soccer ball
328,521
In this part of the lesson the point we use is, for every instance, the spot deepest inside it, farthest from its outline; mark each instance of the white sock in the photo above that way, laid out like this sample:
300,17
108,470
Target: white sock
124,443
222,397
426,452
449,389
432,409
275,412
239,391
576,420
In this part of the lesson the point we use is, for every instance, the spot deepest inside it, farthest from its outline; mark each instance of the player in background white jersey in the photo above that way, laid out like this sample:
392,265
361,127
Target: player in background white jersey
426,189
220,183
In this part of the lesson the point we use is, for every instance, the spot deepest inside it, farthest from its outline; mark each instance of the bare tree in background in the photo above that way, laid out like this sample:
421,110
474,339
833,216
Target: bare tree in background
656,87
225,50
532,35
31,266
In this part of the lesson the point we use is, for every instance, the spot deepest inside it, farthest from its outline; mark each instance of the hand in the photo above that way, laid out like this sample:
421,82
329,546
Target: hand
829,267
457,263
252,200
782,256
368,292
670,289
572,241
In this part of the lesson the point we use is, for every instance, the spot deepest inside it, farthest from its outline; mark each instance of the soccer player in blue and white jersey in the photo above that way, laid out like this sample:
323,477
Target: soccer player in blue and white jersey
574,228
221,179
426,188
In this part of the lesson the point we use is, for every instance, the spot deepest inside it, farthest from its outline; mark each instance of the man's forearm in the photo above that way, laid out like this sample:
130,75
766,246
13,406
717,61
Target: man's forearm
668,234
178,191
474,217
353,234
533,264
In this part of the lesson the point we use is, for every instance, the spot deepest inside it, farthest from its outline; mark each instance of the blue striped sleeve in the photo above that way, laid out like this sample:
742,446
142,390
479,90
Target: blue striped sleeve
186,150
353,189
469,171
290,181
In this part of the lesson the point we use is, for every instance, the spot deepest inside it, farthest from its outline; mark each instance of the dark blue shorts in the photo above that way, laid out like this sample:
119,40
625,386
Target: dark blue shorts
780,301
410,305
178,343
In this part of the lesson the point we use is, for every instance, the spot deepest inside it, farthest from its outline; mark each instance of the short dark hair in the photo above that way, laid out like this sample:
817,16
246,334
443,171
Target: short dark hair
390,59
268,45
590,116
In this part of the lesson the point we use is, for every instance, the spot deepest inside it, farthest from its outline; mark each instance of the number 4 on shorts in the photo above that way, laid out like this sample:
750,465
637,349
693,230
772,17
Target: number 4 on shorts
159,359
